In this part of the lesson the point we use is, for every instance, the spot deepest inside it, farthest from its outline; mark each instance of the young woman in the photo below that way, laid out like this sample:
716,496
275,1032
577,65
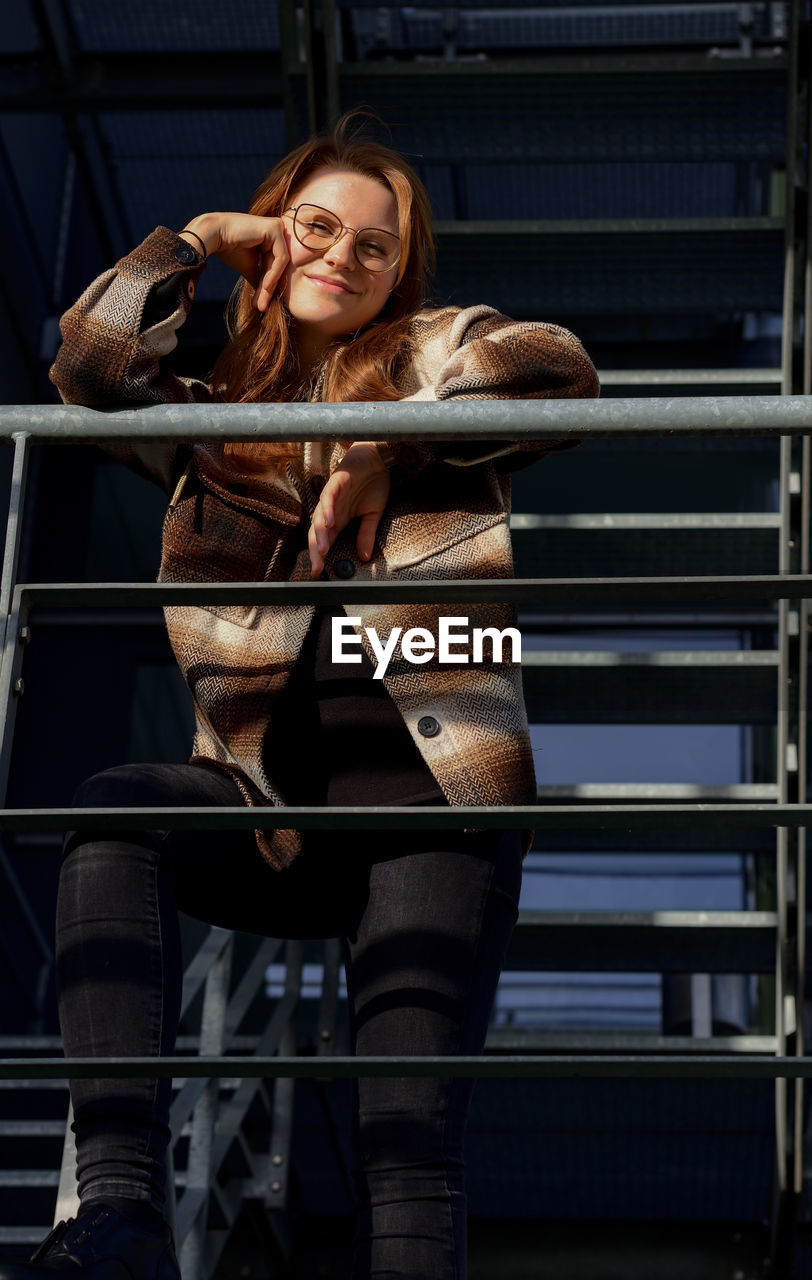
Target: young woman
334,258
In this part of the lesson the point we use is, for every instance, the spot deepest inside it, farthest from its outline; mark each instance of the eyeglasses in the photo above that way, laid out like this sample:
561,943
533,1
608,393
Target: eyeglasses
319,229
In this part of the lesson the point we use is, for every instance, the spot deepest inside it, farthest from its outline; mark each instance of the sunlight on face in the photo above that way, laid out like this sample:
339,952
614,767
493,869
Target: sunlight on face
329,293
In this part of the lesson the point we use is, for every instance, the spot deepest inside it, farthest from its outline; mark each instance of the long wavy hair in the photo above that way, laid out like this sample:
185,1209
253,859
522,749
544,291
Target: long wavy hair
260,361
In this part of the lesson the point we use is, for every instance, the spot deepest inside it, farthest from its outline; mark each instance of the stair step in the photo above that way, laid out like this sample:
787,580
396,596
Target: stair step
689,377
27,1046
645,544
23,1235
655,688
32,1128
29,1177
597,104
531,621
668,792
644,942
644,266
633,521
539,1040
54,1085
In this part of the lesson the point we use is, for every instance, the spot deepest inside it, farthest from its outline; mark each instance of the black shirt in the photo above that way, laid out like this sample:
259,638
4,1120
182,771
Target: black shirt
337,738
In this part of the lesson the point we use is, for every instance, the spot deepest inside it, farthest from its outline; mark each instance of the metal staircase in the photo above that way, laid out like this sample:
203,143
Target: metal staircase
638,197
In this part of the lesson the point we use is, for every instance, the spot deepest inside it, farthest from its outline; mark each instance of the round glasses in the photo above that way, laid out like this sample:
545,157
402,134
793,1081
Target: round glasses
319,229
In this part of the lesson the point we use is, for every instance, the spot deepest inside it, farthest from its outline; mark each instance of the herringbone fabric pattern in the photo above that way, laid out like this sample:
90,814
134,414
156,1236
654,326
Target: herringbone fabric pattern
447,519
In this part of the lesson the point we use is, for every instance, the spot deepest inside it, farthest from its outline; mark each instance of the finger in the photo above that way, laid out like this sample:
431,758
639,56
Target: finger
316,559
329,509
322,536
365,542
273,261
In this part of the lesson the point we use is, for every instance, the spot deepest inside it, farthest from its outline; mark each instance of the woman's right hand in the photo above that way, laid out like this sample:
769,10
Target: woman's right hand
255,247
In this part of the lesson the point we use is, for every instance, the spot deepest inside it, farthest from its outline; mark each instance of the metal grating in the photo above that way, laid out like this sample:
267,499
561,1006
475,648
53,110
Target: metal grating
185,26
581,1149
573,552
497,113
560,26
539,272
655,190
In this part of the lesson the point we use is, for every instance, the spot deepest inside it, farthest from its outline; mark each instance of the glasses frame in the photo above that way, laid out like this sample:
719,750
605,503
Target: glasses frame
343,228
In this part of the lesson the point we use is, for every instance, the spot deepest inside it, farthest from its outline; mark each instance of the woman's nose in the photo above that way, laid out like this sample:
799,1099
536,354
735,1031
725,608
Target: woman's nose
342,252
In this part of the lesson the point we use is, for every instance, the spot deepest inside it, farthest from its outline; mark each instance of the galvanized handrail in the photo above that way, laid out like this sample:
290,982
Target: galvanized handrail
507,420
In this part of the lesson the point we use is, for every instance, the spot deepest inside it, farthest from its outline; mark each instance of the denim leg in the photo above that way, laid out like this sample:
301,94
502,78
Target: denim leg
422,973
119,973
118,955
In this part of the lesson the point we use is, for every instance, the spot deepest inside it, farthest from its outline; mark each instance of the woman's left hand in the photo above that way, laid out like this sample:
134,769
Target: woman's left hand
359,486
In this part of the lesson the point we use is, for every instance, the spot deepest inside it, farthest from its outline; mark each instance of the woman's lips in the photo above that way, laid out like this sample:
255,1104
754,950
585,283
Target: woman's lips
332,286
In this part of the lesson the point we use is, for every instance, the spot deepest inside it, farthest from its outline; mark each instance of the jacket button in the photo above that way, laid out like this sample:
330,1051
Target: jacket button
317,484
185,254
428,726
344,569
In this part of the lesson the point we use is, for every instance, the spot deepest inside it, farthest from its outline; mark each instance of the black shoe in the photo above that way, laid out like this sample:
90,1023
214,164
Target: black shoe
100,1245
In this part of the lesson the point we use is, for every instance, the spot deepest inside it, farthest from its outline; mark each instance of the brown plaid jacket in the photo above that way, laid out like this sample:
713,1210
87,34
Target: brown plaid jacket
447,518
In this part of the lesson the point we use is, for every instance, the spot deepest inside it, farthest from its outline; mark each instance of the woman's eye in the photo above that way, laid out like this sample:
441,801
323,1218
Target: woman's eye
373,247
321,228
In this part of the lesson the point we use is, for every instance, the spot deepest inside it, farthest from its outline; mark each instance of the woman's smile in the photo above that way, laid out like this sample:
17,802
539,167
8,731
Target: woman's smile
328,293
332,286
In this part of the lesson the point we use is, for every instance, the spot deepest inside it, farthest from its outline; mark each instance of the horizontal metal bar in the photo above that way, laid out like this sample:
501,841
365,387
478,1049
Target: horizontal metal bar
530,623
785,586
509,1067
449,420
410,817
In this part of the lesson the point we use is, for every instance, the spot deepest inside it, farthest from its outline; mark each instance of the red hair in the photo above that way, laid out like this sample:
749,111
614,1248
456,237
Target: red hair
260,362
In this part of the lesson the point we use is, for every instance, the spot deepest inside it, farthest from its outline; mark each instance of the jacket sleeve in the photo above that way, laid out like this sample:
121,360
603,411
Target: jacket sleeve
486,356
116,336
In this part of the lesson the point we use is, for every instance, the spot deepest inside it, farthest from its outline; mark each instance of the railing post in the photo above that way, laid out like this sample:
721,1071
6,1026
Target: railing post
10,609
272,1186
199,1167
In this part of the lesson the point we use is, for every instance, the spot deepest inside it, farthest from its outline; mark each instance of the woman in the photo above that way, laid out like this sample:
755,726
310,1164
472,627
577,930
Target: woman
334,257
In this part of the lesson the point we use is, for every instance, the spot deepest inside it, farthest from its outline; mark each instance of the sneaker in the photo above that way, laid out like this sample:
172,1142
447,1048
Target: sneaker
99,1244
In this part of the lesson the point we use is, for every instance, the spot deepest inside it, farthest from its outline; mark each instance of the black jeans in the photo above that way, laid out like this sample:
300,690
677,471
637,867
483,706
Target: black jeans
425,918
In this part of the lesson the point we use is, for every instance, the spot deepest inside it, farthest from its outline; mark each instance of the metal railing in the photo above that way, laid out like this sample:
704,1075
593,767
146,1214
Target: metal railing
274,1057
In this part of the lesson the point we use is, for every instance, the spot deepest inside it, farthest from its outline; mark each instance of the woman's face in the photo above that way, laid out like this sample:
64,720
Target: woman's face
329,293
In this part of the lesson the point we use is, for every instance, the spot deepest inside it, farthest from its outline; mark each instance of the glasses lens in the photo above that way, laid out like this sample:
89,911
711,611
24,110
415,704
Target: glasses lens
315,228
376,250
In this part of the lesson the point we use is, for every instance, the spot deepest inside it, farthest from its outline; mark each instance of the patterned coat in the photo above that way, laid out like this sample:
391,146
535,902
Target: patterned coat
447,518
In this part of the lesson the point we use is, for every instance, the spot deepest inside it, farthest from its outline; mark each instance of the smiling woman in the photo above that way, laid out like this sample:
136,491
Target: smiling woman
333,259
